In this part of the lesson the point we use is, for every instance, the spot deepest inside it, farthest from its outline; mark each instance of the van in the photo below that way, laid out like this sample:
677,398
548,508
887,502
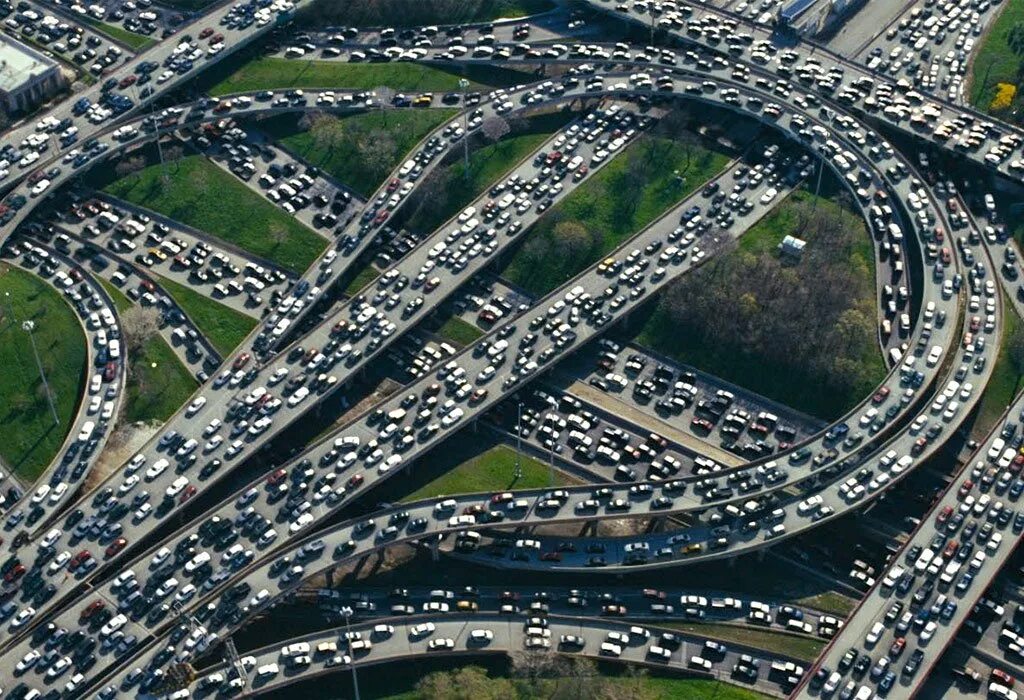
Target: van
267,670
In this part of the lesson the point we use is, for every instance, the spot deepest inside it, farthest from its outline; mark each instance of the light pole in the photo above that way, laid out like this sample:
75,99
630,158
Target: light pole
30,326
518,473
347,614
463,84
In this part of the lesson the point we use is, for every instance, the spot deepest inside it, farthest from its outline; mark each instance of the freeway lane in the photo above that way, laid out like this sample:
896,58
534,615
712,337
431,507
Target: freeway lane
965,132
507,635
133,529
341,533
269,507
971,495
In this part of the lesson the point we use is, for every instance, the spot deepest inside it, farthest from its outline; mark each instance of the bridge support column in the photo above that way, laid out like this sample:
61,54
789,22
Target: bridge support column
435,555
762,553
731,562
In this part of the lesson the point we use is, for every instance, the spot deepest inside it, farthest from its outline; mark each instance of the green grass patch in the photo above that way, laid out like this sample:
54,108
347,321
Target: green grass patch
830,602
224,327
458,331
998,58
625,196
491,471
121,302
398,682
403,13
1006,378
367,275
805,648
338,148
136,42
738,326
158,384
29,439
236,214
272,73
452,190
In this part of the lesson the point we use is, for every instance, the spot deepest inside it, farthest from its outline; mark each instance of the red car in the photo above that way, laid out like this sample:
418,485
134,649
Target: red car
92,608
276,476
881,395
188,493
14,574
355,480
116,546
944,515
240,361
1003,677
206,32
79,559
109,372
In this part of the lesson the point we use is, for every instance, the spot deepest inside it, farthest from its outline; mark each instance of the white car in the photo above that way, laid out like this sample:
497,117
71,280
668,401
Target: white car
423,629
195,406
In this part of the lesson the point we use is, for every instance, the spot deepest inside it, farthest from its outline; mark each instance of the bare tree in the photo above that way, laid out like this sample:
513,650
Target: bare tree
377,150
127,166
327,132
495,128
173,153
138,324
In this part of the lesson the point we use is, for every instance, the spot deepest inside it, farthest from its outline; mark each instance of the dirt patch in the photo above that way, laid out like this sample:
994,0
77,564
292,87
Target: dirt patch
125,441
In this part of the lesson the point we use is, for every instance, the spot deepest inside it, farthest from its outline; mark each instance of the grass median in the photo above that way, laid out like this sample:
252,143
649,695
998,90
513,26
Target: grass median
272,73
136,42
29,437
630,192
224,327
460,332
158,384
799,647
359,150
1007,375
236,214
493,470
449,190
997,60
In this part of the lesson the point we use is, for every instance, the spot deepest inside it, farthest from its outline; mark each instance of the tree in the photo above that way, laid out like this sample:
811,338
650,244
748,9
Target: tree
138,324
127,166
377,150
1005,92
466,683
495,128
173,153
572,239
326,131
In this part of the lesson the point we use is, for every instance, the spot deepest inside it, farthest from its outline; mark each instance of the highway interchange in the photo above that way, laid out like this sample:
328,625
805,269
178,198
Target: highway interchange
773,499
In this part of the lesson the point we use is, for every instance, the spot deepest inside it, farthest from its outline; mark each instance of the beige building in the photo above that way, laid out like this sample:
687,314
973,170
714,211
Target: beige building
27,77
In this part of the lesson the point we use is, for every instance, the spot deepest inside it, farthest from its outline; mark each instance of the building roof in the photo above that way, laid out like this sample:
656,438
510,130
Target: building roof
793,10
18,63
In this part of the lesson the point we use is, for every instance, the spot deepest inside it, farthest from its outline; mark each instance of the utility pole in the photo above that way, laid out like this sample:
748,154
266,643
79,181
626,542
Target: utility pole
30,326
347,614
463,85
